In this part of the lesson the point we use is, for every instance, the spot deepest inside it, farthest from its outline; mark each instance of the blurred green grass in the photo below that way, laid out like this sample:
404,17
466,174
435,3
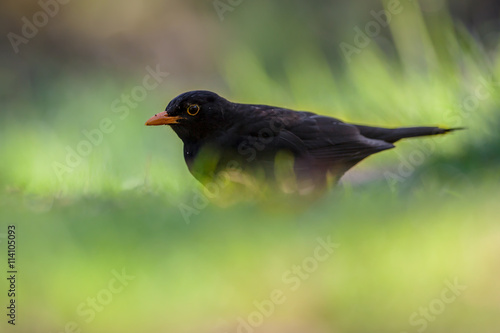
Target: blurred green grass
120,207
395,254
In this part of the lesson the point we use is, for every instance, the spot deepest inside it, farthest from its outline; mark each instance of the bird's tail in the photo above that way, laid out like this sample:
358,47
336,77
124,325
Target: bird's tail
392,135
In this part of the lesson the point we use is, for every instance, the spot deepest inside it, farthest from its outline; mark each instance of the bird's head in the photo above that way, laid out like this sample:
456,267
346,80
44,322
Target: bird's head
194,115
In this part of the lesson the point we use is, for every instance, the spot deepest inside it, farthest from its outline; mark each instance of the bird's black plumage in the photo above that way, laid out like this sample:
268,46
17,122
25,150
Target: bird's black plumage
250,137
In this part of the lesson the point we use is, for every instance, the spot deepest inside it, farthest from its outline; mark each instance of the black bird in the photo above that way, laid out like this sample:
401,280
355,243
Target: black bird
219,135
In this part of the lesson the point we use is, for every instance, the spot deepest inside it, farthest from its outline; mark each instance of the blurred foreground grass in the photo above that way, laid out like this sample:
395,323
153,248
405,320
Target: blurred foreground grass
395,255
399,240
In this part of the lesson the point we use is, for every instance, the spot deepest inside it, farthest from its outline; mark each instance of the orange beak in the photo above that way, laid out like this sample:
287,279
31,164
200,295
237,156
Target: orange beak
162,118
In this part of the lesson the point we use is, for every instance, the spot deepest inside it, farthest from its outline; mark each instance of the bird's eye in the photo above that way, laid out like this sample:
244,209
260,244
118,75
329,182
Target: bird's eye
193,109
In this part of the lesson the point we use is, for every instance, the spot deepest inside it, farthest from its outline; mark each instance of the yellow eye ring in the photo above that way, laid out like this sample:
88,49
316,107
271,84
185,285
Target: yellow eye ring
193,109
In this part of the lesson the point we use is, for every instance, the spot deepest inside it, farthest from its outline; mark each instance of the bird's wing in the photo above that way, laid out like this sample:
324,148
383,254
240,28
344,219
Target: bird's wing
318,141
329,139
331,144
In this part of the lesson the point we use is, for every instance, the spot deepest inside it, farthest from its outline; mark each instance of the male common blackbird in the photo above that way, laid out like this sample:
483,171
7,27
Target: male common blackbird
219,135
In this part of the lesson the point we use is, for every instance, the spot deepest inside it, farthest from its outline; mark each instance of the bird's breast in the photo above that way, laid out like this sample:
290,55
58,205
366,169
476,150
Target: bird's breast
190,153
